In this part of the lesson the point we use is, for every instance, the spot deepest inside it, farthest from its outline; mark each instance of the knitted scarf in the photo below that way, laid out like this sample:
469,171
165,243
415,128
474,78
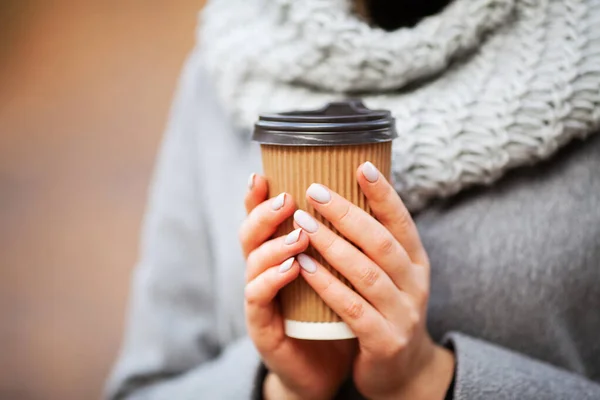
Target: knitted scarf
480,88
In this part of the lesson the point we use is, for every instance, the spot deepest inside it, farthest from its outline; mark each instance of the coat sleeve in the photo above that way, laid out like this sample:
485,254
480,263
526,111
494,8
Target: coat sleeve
487,371
170,350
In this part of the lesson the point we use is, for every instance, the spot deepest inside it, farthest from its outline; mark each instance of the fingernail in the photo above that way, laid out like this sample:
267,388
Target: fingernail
251,181
370,172
306,222
278,202
318,193
286,265
293,236
307,263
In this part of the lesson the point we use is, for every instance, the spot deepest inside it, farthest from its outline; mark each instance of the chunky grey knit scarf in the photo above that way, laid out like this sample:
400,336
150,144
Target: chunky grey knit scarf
481,87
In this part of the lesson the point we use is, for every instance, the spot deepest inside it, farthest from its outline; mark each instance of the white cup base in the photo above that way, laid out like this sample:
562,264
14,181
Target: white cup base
318,330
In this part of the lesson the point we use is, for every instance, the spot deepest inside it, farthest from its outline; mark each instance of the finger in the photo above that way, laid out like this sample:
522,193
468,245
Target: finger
263,220
391,212
275,251
361,229
257,192
366,276
260,292
262,289
368,325
375,334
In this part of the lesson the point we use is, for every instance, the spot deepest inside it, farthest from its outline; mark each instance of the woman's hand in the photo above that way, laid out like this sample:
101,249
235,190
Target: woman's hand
297,368
390,273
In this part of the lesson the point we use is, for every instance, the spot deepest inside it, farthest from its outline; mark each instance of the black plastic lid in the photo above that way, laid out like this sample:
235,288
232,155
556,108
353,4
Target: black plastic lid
338,123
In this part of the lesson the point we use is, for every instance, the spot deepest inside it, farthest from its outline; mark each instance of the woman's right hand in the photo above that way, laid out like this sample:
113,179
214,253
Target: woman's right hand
297,368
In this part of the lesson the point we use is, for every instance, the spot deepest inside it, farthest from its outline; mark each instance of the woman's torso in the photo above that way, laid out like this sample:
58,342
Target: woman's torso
516,263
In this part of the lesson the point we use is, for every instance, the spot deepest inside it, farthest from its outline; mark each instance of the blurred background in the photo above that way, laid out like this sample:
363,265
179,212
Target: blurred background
85,88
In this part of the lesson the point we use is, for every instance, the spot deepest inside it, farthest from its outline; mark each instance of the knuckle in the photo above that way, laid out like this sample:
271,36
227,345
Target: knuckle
329,248
378,199
327,286
248,202
242,234
346,215
250,295
259,218
392,347
387,352
403,219
267,281
369,275
423,259
414,319
383,195
251,260
339,252
250,266
385,245
354,310
411,321
421,295
399,344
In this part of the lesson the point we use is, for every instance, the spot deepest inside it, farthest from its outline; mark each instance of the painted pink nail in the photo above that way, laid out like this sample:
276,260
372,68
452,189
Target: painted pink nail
278,202
318,193
251,181
293,236
306,222
370,172
286,265
307,263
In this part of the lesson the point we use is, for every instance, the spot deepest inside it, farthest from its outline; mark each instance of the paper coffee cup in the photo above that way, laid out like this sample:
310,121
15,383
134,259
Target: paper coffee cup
324,146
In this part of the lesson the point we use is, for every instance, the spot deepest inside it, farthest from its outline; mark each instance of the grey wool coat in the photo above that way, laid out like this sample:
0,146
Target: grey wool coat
515,272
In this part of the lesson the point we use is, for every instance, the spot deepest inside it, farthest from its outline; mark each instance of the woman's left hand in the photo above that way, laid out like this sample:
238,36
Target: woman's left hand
389,270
